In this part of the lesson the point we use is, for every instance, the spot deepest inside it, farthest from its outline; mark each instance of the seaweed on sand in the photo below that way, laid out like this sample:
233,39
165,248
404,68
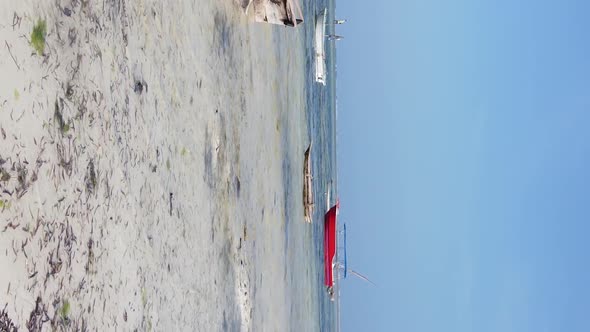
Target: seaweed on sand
6,324
90,179
64,311
38,36
58,116
38,317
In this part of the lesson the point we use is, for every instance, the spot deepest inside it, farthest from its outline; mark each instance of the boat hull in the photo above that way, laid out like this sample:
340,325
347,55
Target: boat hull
282,12
307,186
329,245
320,55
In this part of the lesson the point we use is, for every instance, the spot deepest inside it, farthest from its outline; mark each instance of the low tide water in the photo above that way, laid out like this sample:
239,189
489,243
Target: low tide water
321,121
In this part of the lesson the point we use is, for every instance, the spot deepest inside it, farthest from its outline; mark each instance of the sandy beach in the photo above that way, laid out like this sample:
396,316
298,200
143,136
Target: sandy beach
142,163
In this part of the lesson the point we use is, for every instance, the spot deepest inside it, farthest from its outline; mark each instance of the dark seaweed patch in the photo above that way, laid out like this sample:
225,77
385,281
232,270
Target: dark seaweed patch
6,324
90,179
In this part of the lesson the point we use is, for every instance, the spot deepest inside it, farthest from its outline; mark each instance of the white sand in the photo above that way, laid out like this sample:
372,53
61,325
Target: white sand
89,196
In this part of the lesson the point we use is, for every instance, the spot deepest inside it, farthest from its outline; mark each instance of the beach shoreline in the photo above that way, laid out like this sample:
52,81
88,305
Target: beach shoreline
146,151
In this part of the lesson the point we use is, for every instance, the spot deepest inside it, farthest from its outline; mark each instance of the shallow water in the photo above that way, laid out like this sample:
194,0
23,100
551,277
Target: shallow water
322,131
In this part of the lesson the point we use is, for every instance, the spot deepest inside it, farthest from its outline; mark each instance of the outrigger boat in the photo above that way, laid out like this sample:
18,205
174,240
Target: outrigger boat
307,186
330,248
282,12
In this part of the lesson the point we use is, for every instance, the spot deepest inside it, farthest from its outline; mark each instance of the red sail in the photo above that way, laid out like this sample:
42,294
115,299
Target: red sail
329,245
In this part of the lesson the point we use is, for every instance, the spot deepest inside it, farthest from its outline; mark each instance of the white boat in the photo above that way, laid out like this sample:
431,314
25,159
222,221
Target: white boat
320,54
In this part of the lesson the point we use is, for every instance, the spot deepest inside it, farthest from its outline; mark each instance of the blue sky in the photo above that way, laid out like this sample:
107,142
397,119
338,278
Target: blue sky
464,158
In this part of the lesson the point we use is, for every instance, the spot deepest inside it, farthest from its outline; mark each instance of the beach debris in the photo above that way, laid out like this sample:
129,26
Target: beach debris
72,35
55,263
33,275
4,175
10,224
69,91
67,11
238,186
91,259
139,86
307,186
12,56
64,161
69,240
38,317
6,324
16,20
23,185
171,204
58,116
90,179
38,36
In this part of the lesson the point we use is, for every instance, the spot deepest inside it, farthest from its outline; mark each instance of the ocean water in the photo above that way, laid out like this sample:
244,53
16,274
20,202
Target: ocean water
321,107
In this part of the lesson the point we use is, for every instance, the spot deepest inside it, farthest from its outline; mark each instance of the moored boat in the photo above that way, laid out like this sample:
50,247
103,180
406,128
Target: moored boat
282,12
307,186
320,55
330,247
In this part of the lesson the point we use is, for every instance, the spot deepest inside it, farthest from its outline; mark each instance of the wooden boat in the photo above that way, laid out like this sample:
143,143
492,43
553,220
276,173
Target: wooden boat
282,12
307,186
